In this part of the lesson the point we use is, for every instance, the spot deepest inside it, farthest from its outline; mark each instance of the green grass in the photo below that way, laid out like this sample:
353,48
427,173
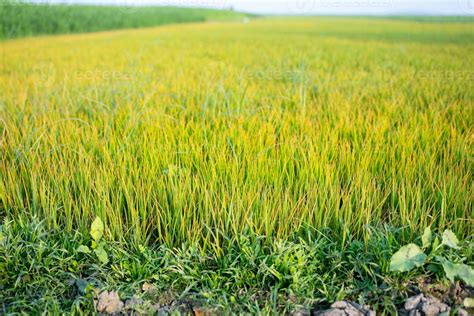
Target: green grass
287,156
41,271
20,19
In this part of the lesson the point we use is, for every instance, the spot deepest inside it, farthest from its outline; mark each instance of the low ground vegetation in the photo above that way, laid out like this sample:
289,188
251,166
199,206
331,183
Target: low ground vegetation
49,270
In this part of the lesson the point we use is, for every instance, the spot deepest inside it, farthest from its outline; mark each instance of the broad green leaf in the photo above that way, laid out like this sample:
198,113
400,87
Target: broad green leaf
449,239
466,273
449,269
468,302
97,229
101,254
458,270
426,238
406,258
83,249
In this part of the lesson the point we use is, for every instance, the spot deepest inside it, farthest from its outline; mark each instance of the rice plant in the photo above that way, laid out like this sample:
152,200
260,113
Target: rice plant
190,133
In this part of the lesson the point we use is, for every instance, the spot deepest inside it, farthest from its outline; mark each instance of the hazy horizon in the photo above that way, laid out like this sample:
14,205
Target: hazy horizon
308,7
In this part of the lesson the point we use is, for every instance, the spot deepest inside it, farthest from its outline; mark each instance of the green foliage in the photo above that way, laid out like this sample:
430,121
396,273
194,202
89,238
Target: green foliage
97,229
411,256
426,238
98,244
316,267
40,270
83,249
449,239
407,258
457,270
25,19
101,254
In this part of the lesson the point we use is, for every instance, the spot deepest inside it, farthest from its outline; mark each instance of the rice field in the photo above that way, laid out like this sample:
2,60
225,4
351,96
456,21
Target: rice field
196,133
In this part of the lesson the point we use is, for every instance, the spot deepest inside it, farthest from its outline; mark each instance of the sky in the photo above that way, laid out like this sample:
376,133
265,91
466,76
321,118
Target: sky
310,7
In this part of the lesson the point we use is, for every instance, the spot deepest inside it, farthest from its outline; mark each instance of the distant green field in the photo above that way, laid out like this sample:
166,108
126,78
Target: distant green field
20,19
436,19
